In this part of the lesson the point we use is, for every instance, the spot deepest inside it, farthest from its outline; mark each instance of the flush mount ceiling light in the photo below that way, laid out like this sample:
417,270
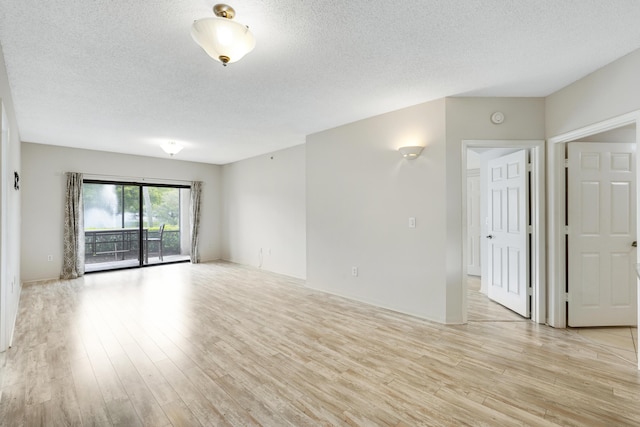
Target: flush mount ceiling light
223,39
171,147
410,152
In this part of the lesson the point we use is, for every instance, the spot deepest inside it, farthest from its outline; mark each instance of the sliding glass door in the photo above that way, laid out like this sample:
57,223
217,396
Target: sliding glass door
166,221
132,225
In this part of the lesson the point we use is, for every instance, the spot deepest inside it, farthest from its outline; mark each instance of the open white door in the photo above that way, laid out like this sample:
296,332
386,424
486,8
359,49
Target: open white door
601,207
508,237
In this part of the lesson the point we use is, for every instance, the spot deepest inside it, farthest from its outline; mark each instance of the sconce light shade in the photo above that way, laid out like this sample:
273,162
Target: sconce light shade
223,39
171,147
411,152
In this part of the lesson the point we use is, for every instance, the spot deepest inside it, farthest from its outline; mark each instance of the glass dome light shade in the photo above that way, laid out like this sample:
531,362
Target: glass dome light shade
171,147
223,38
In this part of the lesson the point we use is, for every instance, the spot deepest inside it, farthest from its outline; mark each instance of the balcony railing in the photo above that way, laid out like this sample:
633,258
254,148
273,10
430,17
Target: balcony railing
124,244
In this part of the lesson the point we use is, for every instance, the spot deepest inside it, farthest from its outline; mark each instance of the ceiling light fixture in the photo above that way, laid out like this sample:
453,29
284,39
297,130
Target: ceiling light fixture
171,147
410,152
223,39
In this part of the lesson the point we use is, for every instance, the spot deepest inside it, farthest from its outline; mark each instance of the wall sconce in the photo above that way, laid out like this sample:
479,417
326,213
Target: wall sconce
410,152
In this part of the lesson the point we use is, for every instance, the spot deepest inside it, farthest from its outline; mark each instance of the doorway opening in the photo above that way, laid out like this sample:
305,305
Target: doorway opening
535,233
129,225
620,129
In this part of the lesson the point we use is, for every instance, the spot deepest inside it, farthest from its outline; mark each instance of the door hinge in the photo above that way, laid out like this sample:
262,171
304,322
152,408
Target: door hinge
530,229
566,163
529,167
529,291
566,229
566,297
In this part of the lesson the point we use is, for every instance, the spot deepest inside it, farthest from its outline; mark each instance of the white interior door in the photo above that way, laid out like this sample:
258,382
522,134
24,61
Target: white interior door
473,222
508,232
601,209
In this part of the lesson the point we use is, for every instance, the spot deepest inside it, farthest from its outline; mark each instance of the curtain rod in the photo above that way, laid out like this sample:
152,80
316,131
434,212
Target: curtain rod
137,178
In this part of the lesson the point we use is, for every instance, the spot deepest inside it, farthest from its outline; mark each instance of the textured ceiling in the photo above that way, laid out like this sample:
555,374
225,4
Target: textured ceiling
125,76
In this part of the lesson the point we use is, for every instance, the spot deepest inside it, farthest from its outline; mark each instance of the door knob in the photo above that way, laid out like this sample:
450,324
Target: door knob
635,244
489,236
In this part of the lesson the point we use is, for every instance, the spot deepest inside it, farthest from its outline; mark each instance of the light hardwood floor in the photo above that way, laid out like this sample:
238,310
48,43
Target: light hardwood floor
617,344
481,309
219,344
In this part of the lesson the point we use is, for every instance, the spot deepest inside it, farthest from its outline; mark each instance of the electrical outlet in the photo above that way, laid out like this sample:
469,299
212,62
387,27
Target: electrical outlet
354,271
49,257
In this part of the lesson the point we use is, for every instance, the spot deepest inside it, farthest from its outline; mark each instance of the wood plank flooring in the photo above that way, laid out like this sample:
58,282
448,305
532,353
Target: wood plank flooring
482,309
220,344
617,344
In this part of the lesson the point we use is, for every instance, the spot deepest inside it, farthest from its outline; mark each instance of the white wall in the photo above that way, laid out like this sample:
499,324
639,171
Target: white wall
473,160
608,92
10,280
360,195
622,134
43,190
264,214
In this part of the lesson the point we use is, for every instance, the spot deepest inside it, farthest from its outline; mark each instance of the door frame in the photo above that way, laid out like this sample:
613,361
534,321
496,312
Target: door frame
557,209
473,173
538,220
5,339
142,241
